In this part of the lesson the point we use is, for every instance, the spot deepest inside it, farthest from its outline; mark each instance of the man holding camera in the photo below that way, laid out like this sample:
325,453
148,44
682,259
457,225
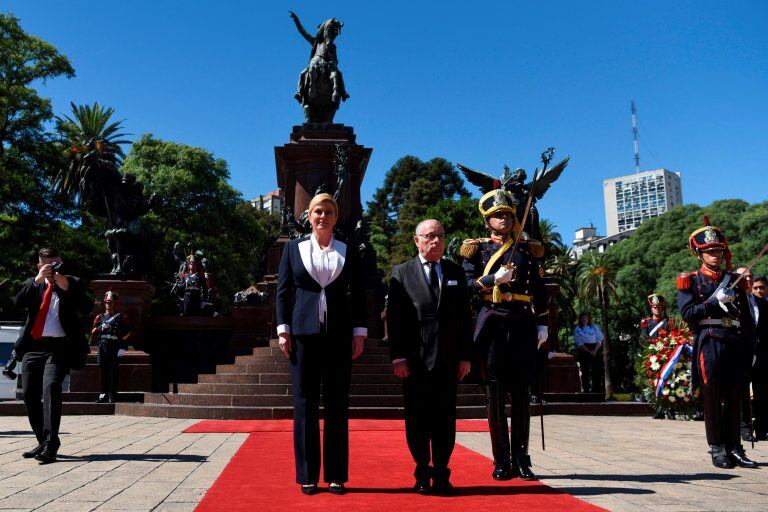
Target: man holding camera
51,344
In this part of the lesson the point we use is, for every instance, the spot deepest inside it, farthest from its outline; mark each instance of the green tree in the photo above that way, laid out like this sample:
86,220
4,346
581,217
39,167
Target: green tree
30,210
90,129
395,209
596,283
460,219
200,207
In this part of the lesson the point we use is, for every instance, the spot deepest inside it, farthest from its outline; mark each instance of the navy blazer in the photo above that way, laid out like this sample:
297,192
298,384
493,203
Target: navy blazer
71,303
298,294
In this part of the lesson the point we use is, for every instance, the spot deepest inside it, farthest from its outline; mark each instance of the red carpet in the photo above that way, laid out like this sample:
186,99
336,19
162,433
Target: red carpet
246,426
260,477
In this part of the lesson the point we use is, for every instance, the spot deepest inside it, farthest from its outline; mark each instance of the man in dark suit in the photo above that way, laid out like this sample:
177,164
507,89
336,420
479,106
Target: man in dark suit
430,331
52,343
760,368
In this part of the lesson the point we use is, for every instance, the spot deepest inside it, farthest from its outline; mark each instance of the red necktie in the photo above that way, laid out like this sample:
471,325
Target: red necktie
37,328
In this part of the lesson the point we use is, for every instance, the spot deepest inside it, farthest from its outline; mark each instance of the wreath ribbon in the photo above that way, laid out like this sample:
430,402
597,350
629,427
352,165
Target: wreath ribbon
668,368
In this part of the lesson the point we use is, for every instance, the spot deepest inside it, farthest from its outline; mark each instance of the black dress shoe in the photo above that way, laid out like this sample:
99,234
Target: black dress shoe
748,437
442,488
523,464
309,489
103,398
46,456
740,458
422,486
659,415
504,471
34,452
336,488
671,414
699,416
720,458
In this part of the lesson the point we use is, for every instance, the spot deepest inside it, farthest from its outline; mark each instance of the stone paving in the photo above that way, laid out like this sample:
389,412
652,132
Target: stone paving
147,464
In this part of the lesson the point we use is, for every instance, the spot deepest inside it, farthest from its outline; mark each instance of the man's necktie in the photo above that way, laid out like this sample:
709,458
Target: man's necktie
434,283
37,327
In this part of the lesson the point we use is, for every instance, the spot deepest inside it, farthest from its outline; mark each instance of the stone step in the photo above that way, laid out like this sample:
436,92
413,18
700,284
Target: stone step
371,342
275,351
285,400
253,388
284,367
462,412
17,408
279,359
284,378
128,396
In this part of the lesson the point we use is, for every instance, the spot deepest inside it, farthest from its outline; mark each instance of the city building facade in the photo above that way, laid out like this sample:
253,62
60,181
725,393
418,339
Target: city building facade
632,199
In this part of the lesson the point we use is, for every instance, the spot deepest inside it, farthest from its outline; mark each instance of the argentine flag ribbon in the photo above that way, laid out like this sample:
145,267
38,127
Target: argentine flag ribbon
670,366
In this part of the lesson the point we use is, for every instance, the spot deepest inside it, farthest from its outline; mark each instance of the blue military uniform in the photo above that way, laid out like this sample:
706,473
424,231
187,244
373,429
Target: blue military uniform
723,338
506,336
110,332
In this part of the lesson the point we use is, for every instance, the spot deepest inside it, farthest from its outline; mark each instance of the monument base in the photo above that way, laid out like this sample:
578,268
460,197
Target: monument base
134,303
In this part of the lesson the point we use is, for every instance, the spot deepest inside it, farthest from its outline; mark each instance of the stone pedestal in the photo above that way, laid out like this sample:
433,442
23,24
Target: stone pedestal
308,161
134,302
562,372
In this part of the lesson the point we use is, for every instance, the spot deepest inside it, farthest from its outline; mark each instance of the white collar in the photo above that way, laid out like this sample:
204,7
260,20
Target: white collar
424,260
316,244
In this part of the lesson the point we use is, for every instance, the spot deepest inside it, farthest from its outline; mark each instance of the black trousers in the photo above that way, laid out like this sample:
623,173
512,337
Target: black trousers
321,360
760,390
430,419
41,378
591,371
109,365
722,413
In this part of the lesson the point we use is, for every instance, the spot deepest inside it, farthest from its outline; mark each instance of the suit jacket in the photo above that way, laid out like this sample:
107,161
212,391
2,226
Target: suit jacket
422,331
71,302
298,294
762,331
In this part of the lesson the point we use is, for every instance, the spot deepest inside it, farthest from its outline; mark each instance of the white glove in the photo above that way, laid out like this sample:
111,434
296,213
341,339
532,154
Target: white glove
542,333
503,275
120,352
724,296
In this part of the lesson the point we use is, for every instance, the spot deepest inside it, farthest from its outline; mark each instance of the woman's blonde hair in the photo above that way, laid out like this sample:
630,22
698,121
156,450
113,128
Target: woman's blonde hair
323,198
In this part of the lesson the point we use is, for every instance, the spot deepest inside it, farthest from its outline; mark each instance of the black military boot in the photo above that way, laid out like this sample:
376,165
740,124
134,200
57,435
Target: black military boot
720,458
497,424
103,398
504,471
739,458
523,465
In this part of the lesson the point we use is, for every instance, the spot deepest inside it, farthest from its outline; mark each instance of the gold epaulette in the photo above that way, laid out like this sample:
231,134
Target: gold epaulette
469,247
644,323
536,248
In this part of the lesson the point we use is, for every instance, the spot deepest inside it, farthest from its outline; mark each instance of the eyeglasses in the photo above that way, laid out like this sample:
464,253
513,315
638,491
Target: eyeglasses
433,236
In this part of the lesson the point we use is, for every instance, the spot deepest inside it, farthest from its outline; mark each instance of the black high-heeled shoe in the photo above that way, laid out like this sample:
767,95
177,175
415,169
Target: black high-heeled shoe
309,489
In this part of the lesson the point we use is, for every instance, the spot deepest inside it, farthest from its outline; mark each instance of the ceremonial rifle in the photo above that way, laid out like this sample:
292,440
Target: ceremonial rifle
749,267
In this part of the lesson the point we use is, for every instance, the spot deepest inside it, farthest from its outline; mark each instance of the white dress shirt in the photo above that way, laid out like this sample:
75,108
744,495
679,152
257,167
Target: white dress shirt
52,327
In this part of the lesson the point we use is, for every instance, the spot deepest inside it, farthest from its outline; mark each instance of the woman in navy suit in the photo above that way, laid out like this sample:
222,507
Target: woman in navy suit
321,319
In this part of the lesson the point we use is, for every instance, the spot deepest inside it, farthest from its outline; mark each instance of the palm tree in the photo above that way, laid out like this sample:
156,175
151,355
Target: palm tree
549,237
93,145
596,280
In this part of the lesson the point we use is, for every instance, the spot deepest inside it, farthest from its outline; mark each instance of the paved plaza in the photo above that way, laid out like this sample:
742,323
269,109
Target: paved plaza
143,464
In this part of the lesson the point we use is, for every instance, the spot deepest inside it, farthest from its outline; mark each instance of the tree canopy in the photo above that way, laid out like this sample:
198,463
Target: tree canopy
410,187
200,207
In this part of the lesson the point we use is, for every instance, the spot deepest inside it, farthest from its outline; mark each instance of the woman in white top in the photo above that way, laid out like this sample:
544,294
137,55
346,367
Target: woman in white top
321,315
589,339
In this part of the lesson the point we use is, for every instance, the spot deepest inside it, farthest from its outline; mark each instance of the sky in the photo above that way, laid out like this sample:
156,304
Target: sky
480,83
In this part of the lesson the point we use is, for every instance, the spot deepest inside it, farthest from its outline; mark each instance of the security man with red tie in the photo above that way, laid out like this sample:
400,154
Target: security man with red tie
718,316
51,343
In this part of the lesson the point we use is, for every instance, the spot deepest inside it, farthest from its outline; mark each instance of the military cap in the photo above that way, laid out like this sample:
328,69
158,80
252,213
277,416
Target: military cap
496,200
709,237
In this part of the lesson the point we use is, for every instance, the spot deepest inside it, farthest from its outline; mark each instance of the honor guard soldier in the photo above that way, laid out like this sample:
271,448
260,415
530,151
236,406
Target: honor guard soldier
110,331
511,324
718,316
658,321
192,285
650,327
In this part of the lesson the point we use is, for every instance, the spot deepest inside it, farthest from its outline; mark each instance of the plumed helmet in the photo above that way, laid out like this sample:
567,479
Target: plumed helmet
709,237
496,200
655,299
111,296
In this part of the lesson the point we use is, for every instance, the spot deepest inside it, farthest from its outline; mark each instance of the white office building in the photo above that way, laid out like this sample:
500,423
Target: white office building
631,199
